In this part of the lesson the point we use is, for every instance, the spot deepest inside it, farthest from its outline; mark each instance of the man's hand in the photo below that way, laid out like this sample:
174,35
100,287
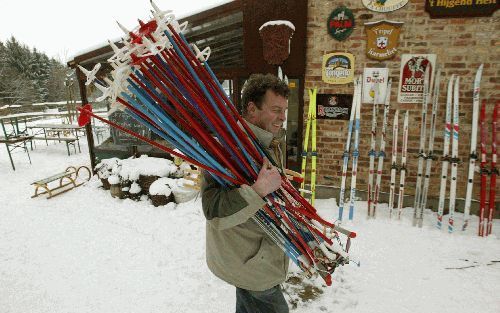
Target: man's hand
269,179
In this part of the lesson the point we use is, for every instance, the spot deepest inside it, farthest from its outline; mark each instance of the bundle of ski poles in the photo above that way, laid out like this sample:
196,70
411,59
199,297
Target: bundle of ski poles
165,84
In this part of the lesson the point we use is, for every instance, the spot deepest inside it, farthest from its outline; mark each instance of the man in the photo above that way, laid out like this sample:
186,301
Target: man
238,250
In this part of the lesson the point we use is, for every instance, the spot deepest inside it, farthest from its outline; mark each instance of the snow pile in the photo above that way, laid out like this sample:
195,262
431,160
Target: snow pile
147,166
134,188
162,186
107,167
114,179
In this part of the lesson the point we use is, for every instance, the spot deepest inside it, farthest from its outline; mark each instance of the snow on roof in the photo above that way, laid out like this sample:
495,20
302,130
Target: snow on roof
100,45
278,22
203,8
198,9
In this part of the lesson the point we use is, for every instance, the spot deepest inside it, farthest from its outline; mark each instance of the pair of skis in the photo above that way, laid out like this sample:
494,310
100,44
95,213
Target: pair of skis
450,135
354,121
422,186
485,222
473,144
373,199
310,128
394,166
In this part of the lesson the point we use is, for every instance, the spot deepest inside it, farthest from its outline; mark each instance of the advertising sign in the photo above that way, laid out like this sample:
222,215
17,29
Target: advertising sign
382,39
462,8
375,83
384,5
333,106
338,68
340,23
411,80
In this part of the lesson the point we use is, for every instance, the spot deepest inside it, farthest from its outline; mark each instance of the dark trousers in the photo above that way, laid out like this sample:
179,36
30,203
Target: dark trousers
267,301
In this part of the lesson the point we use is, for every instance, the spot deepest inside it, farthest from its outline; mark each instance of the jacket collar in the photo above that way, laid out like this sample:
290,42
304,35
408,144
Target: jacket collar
264,136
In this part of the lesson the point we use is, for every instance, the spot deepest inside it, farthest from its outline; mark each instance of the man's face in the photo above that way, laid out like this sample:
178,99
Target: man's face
271,115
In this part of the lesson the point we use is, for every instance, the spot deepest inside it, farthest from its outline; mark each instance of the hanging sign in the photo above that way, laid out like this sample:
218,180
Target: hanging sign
375,83
382,39
338,68
340,23
333,106
460,8
384,5
411,80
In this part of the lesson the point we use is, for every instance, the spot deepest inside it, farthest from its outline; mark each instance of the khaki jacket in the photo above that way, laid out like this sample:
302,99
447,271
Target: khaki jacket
238,250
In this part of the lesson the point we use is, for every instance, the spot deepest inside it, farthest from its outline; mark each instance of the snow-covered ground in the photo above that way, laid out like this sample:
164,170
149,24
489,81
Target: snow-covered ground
84,251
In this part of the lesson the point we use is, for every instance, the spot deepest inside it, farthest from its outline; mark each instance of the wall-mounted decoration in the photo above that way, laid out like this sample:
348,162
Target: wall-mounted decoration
375,83
384,5
276,37
338,68
453,8
382,38
411,80
333,106
340,23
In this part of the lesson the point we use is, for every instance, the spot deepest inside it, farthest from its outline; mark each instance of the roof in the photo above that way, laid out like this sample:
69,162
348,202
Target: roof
219,27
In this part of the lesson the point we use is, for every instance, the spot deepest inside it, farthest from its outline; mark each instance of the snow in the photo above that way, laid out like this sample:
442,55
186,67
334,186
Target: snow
278,22
162,186
84,251
114,179
147,166
135,188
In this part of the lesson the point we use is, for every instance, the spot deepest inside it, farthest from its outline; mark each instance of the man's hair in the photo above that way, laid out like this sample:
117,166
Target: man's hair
256,86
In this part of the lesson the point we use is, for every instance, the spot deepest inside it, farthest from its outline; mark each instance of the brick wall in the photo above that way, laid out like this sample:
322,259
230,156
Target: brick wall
460,44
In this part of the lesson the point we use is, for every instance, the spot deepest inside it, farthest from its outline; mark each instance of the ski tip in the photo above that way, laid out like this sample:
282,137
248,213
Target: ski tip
352,235
328,280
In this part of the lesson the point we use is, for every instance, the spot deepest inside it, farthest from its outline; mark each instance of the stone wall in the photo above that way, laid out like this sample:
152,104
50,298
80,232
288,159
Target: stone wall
461,45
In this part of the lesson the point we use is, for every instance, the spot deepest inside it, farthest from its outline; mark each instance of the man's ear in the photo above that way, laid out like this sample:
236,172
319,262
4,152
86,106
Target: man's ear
251,108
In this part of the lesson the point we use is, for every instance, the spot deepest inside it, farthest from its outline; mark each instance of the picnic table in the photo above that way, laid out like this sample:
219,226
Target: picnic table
57,129
15,142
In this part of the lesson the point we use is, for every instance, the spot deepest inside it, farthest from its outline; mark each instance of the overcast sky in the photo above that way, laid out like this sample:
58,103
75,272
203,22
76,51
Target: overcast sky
61,28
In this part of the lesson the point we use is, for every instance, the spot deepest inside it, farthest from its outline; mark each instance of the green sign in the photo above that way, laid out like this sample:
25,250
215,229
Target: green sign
340,23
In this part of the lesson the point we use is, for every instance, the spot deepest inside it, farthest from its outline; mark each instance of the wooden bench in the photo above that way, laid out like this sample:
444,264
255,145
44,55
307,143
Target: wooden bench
70,141
71,174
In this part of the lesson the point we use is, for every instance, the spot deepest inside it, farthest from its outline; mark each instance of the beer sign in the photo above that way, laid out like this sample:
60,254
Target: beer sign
384,5
462,8
340,23
338,68
333,106
411,81
382,39
375,83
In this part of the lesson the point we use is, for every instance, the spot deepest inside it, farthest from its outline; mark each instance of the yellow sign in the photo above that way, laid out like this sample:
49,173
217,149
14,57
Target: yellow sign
338,68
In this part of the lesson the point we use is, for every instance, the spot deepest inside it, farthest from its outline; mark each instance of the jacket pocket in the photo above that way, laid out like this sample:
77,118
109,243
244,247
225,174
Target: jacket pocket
268,256
259,255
